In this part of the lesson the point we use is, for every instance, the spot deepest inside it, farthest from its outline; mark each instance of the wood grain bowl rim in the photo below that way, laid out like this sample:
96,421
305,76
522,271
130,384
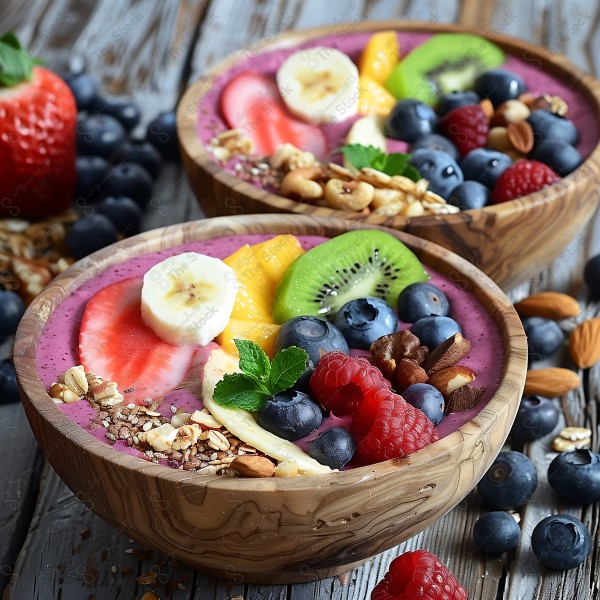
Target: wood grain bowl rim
35,397
193,149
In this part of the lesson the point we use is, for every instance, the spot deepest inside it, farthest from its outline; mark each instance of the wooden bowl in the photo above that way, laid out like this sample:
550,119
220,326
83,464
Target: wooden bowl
270,530
510,242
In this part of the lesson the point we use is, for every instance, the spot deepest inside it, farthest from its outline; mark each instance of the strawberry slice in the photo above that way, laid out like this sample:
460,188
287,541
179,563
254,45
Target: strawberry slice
251,102
115,343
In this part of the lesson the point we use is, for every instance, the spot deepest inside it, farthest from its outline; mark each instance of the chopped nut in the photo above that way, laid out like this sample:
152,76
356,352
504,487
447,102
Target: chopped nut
463,398
146,579
162,437
451,378
76,381
510,111
388,350
217,440
180,419
69,396
288,158
572,438
186,436
408,372
575,433
448,353
56,390
203,417
106,394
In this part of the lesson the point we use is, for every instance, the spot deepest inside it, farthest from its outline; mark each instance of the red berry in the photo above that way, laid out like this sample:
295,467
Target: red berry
522,178
385,426
418,575
467,127
340,382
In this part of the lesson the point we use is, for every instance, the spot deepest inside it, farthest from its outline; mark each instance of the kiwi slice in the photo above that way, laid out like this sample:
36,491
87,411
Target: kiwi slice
445,63
352,265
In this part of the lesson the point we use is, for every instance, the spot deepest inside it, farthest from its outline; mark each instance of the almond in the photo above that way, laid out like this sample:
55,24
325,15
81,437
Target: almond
253,466
488,108
552,305
584,343
510,111
520,135
448,353
550,382
451,378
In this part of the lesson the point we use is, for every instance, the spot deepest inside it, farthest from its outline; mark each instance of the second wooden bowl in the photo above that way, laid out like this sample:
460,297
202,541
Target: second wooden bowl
510,241
270,530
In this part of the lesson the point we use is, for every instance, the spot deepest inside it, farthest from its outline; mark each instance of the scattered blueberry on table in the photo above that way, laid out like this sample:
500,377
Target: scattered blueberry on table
496,532
575,476
537,416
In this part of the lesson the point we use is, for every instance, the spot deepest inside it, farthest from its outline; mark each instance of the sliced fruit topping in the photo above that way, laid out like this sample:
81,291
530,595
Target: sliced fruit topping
353,265
367,131
373,98
445,63
188,298
524,177
242,424
467,127
277,254
250,102
380,56
115,342
258,332
319,85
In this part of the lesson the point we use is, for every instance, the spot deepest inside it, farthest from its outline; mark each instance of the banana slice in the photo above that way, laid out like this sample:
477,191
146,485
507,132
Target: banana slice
243,425
319,85
367,131
188,298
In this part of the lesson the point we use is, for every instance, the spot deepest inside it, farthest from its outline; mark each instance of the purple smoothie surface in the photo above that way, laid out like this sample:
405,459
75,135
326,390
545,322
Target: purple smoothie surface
57,349
210,121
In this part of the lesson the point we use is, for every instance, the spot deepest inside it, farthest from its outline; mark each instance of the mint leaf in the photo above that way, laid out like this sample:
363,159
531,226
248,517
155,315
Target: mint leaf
238,390
360,156
253,360
286,367
16,65
11,39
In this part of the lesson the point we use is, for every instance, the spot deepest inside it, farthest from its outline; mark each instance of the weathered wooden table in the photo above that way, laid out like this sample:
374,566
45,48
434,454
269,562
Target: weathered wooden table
51,545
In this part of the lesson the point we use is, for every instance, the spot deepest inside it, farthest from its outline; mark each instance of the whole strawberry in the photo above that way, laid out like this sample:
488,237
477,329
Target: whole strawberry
418,575
37,136
522,178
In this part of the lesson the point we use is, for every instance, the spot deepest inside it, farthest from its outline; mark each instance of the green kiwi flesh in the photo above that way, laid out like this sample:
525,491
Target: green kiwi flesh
445,63
352,265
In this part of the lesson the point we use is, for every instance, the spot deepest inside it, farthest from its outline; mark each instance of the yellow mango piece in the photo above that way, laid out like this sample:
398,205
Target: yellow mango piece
261,333
255,288
277,254
380,56
373,98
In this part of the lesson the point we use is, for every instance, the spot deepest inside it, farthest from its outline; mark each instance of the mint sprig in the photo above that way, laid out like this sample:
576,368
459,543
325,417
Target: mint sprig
260,378
360,156
16,64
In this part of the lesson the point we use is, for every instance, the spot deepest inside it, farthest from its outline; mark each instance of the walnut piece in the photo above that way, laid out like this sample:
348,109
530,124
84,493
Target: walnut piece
390,349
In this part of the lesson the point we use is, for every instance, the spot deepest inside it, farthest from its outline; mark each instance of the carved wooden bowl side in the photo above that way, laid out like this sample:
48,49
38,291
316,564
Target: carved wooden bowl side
509,242
270,530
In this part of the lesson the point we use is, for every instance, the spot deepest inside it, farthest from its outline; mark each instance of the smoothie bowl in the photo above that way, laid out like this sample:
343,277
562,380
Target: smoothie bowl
172,444
331,92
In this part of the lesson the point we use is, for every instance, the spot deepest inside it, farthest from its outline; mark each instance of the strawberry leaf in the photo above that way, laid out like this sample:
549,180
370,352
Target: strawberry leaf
16,65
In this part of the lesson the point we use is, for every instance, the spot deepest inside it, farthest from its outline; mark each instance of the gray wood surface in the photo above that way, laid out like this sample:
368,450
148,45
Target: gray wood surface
51,545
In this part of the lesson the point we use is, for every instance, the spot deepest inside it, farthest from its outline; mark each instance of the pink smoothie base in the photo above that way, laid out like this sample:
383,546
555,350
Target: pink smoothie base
210,122
57,349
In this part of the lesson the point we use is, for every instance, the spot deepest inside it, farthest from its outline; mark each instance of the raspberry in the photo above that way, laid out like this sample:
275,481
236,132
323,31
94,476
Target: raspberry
385,426
340,382
467,127
522,178
418,575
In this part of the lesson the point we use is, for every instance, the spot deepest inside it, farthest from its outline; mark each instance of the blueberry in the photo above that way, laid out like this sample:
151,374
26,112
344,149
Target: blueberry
141,153
455,100
303,382
591,275
536,417
432,331
575,476
312,334
550,126
544,337
84,89
559,155
125,214
290,415
485,165
334,447
439,168
510,481
162,134
99,135
363,320
126,112
470,195
426,398
92,171
90,234
410,119
422,299
11,311
9,391
435,141
499,85
129,180
496,532
561,542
